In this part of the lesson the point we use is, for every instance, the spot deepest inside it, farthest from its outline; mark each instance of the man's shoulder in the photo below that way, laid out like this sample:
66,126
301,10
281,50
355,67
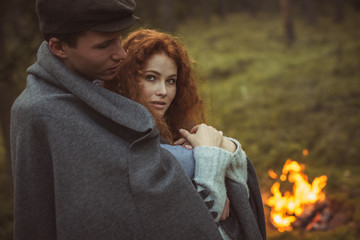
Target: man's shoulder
41,98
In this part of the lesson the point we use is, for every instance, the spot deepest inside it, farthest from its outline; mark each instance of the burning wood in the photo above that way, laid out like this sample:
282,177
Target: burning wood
301,206
314,217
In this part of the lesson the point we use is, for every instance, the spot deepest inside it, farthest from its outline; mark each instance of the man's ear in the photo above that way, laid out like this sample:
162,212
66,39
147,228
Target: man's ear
57,48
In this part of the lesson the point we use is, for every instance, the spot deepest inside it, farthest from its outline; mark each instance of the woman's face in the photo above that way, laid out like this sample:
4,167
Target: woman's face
158,82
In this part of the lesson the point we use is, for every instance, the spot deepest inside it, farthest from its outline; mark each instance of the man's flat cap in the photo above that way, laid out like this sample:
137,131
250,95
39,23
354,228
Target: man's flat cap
71,16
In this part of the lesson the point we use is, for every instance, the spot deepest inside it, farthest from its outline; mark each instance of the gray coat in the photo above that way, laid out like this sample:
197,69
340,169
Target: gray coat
87,164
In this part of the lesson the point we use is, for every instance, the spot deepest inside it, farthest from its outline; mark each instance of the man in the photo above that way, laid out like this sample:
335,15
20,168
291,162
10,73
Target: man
87,162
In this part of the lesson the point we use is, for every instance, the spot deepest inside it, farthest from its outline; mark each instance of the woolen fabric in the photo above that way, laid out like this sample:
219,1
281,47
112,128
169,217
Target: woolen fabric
87,164
246,220
184,156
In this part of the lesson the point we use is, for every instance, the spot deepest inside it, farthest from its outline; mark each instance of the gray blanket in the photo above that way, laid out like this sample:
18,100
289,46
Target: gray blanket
87,164
246,220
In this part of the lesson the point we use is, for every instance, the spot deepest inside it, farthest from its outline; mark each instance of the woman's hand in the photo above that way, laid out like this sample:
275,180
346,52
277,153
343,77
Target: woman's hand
203,135
184,143
226,211
226,143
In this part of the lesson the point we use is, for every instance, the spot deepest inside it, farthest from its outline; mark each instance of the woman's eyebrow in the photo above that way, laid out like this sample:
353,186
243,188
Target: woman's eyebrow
173,75
151,71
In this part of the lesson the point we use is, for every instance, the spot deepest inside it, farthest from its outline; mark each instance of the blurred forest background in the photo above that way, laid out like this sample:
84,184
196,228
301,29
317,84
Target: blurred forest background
280,75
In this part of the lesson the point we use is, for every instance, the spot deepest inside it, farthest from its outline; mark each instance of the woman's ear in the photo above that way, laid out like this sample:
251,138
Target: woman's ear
57,48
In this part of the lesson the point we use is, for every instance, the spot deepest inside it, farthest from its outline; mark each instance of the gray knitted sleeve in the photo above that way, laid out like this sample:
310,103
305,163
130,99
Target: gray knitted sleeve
237,170
210,166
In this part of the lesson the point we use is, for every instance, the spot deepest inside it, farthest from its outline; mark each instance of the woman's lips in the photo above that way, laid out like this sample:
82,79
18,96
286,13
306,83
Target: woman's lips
158,104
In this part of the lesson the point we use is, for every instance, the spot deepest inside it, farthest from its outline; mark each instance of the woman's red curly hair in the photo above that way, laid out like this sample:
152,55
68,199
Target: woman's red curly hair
187,108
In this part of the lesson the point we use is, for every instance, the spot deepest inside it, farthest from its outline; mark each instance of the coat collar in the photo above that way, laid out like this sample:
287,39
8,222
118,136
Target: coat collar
114,106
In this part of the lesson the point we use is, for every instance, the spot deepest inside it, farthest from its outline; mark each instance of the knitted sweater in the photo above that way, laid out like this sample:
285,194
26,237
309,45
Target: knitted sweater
246,219
212,165
208,167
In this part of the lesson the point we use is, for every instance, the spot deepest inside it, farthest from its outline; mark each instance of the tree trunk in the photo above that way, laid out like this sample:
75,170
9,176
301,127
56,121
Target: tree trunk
6,92
339,11
221,8
6,100
18,26
288,23
356,4
310,12
167,13
252,7
206,10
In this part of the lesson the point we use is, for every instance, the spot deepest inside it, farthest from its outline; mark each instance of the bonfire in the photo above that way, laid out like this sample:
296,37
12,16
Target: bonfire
287,208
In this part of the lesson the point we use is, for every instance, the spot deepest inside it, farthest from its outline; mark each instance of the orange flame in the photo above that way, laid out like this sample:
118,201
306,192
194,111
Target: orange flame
305,152
272,174
285,208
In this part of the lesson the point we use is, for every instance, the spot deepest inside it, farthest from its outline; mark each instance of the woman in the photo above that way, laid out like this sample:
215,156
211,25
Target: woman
159,74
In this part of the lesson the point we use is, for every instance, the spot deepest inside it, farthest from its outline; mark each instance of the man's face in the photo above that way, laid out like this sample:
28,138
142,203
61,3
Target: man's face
97,55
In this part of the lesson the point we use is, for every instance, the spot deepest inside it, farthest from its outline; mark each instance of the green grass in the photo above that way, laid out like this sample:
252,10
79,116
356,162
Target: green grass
278,100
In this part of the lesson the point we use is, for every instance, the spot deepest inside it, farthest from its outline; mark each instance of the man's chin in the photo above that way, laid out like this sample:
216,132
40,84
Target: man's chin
107,78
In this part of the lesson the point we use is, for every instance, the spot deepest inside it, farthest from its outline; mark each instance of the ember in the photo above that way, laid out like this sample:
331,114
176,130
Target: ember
304,202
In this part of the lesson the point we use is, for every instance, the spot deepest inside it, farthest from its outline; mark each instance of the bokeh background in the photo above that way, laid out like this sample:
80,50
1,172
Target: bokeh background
278,75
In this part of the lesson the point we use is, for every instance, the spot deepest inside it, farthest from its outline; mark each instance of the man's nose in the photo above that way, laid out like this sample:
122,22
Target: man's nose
119,53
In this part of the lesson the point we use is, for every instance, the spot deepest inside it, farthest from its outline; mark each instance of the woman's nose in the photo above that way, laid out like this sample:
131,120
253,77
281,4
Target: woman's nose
161,89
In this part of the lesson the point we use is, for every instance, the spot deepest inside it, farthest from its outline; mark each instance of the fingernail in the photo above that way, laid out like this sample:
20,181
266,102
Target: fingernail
189,147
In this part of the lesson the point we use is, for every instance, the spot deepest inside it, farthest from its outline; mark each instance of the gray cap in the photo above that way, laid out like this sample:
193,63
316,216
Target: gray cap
70,16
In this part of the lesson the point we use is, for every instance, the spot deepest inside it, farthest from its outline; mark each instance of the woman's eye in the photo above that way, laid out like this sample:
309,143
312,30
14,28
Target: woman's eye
171,81
150,77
